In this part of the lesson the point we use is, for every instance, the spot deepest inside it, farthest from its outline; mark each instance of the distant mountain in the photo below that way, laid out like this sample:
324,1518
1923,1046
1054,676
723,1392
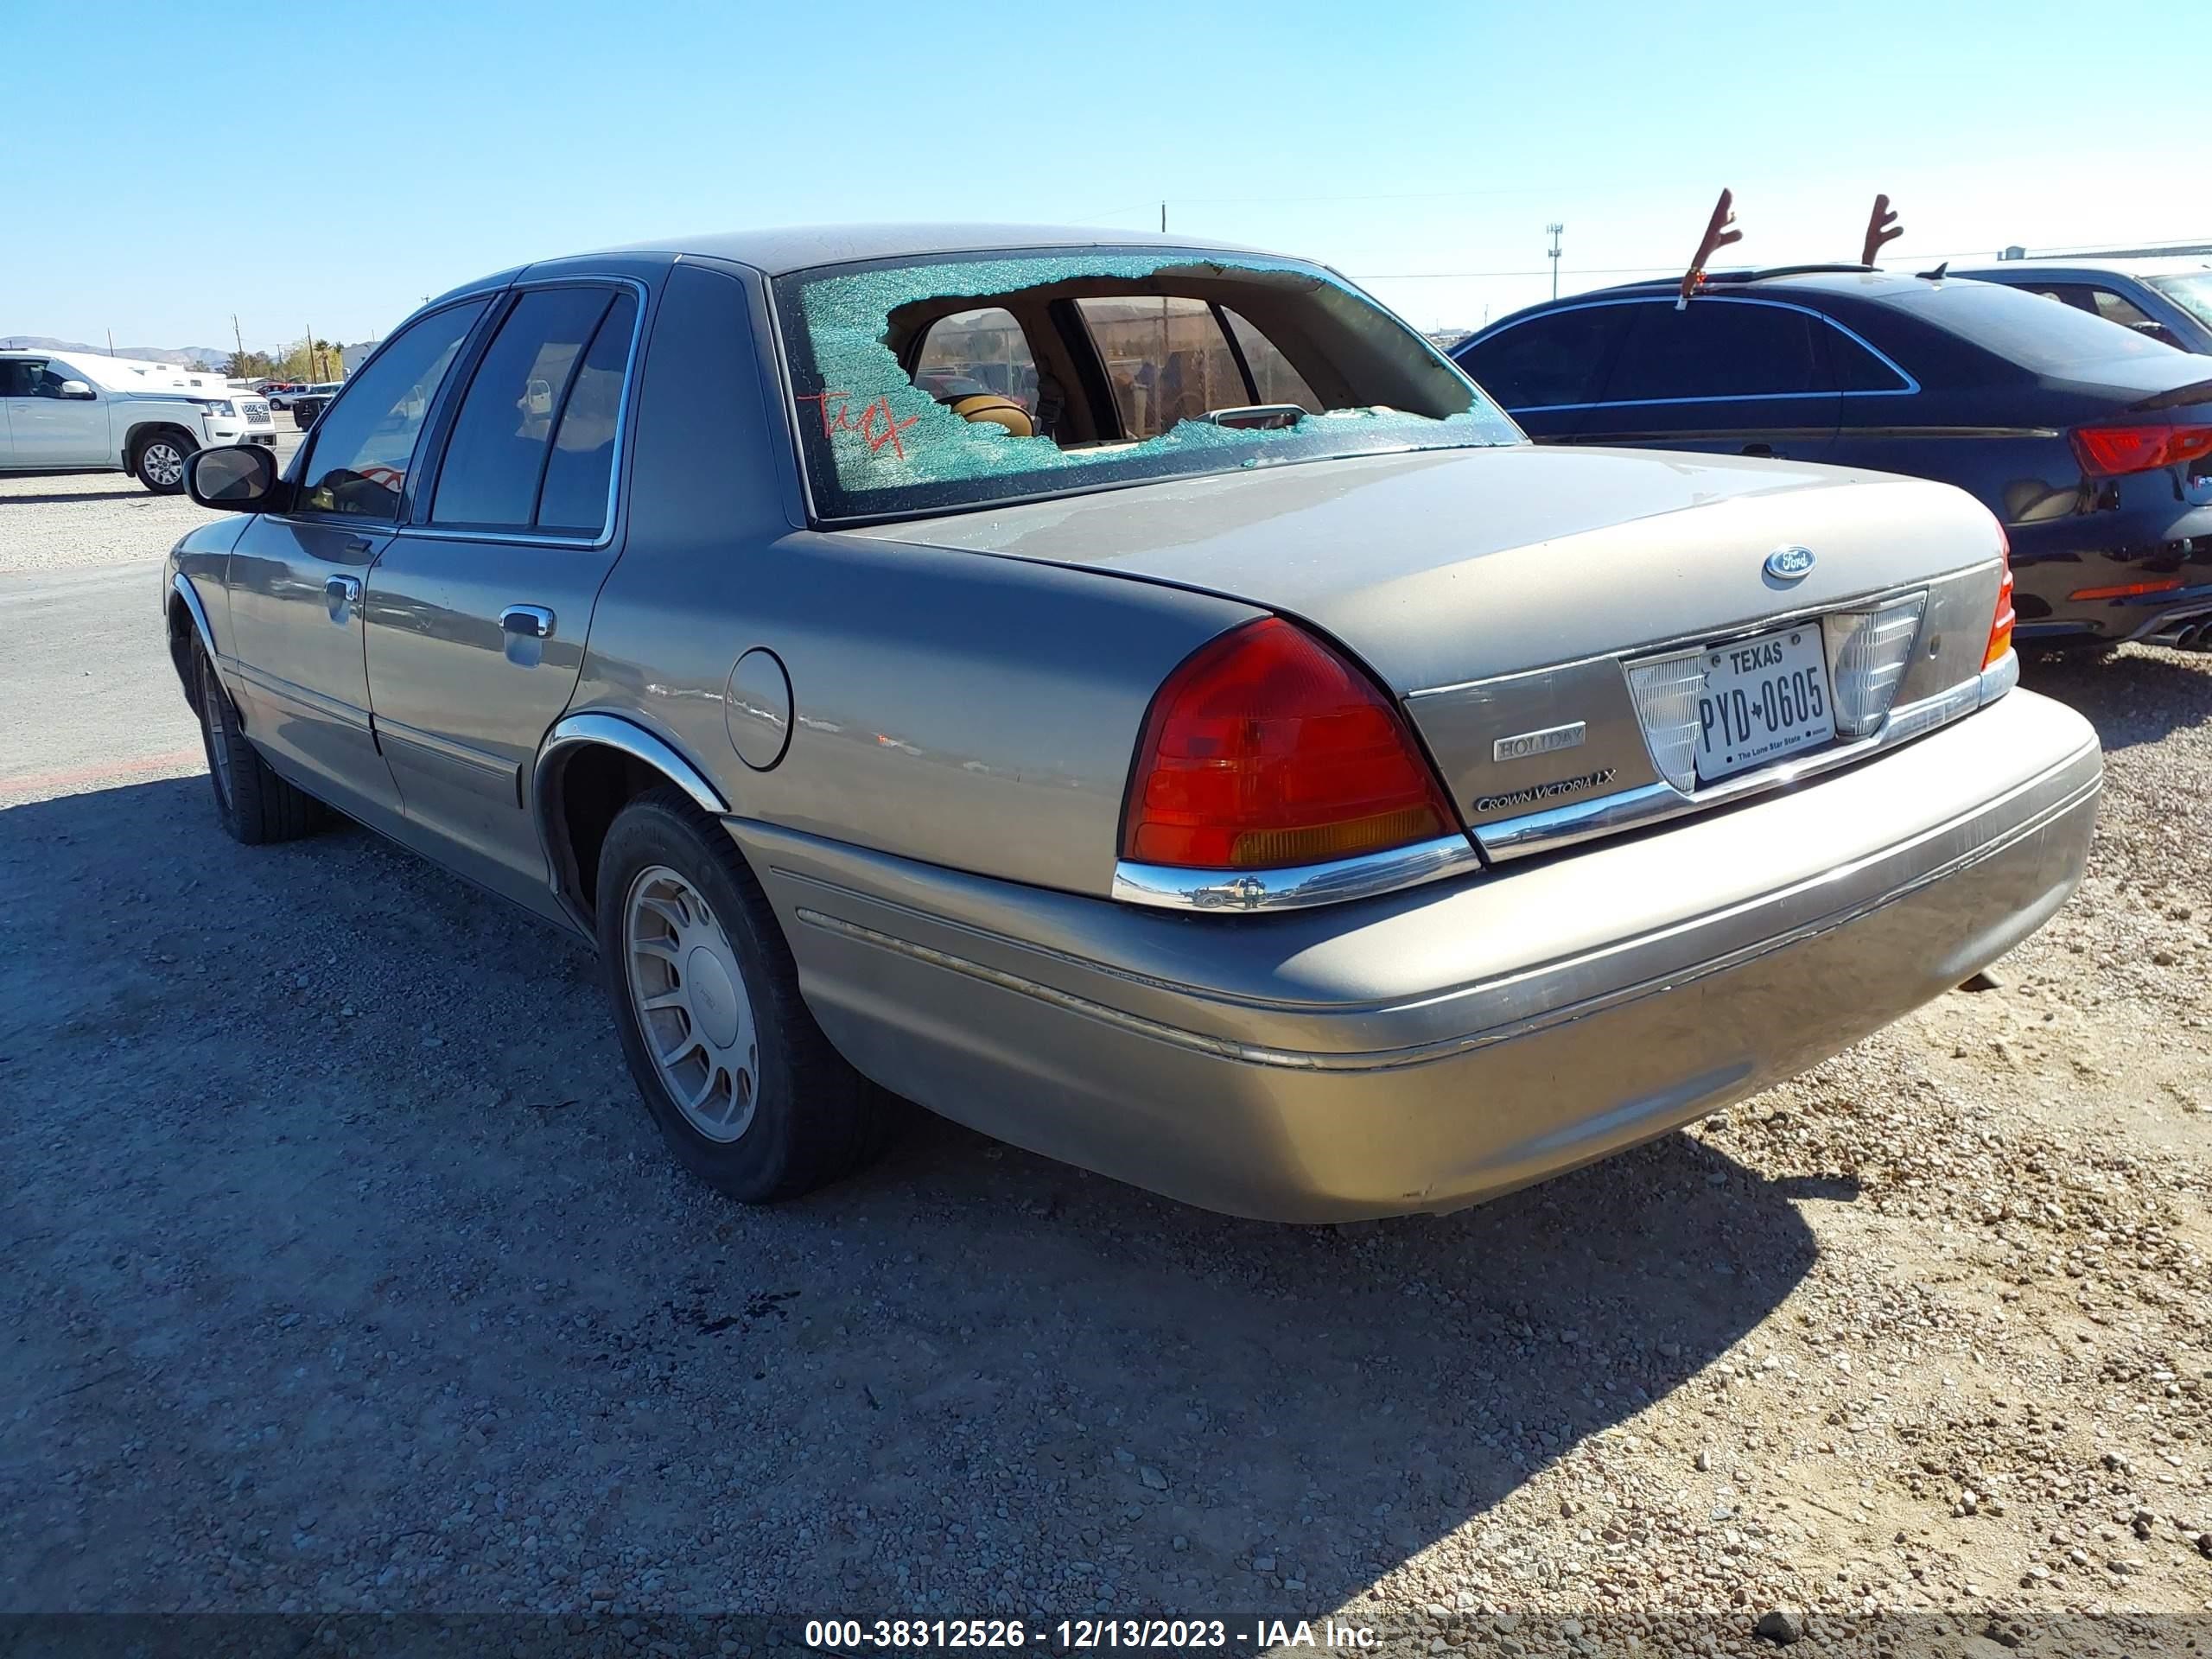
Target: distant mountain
194,357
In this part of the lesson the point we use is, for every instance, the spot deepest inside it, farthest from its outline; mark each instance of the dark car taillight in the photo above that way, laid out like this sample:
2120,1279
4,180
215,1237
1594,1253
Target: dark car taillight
2109,451
1267,749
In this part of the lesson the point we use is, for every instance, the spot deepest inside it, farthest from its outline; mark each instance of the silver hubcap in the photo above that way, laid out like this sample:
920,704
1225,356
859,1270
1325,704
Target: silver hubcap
689,996
164,464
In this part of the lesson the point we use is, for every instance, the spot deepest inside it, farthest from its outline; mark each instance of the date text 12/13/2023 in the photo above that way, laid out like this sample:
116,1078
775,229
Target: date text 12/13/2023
1082,1634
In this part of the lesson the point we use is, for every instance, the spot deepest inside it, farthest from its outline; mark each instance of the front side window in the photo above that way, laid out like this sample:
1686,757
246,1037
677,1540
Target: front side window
1135,376
503,434
362,447
1715,349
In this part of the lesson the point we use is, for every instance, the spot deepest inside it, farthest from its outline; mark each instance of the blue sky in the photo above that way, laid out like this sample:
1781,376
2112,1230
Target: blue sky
1422,148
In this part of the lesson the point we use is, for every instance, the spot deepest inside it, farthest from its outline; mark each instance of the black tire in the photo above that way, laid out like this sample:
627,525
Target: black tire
812,1117
159,463
254,805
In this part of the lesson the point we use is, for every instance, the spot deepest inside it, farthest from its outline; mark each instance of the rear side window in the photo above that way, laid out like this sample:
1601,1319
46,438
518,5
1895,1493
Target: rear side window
362,447
1555,361
1273,379
1166,358
503,435
1858,369
1717,348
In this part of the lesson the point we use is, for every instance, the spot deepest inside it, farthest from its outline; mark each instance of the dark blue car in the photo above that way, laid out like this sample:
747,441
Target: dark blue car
2090,442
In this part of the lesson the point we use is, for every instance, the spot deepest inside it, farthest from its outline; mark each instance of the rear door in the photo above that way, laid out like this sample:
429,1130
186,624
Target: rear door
1724,375
1548,369
298,579
479,609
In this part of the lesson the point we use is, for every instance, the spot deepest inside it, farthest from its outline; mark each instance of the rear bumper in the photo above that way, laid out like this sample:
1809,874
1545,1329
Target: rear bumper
2050,565
1427,1049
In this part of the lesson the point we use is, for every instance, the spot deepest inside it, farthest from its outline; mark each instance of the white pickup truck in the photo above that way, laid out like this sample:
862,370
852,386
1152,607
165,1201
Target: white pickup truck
79,412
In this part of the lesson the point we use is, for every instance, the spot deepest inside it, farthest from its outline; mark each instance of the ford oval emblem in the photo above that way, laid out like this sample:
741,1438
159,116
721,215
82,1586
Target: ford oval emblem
1790,563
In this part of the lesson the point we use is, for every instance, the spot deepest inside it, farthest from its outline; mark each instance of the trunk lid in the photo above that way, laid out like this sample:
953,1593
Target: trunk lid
1496,592
1444,566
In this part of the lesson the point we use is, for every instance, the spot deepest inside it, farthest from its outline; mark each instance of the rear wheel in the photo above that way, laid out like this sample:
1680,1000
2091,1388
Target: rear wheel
254,804
744,1088
160,461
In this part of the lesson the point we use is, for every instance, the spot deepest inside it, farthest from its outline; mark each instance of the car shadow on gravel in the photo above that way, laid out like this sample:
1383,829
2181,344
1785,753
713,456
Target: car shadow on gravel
2138,695
71,497
362,1219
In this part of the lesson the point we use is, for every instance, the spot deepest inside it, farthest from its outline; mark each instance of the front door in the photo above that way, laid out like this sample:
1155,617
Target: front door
298,580
479,610
47,429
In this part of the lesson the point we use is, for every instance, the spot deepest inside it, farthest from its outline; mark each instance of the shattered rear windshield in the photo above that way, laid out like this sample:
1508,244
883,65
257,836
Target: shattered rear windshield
927,386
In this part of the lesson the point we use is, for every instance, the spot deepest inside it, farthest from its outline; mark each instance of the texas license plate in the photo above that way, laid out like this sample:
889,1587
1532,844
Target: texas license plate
1763,698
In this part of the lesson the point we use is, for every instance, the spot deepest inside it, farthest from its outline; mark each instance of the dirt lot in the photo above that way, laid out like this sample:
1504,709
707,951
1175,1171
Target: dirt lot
343,1274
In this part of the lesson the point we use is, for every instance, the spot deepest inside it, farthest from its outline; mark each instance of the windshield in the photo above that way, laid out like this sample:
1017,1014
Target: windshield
2045,335
2192,292
930,384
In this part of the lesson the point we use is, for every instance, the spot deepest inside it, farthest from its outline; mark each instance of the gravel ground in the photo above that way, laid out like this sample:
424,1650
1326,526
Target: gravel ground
344,1275
71,520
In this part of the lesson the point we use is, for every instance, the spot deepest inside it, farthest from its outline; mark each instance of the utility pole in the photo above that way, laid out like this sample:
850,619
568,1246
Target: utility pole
1163,218
314,358
239,337
1556,230
110,342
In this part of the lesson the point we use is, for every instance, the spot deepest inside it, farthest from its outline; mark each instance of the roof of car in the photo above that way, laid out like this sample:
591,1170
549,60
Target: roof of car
1815,279
798,247
2055,269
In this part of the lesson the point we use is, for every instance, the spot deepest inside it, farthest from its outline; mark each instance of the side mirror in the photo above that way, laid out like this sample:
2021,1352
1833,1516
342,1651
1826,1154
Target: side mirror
234,477
75,389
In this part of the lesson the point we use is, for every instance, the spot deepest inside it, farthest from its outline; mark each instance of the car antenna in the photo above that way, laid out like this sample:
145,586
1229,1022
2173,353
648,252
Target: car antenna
1882,226
1718,234
1935,275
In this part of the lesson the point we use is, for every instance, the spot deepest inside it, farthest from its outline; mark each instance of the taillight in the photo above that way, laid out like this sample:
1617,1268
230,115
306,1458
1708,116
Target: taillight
2108,451
2000,626
1264,749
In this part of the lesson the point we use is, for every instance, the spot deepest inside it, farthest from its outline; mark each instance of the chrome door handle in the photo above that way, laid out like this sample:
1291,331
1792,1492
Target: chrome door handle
531,621
340,595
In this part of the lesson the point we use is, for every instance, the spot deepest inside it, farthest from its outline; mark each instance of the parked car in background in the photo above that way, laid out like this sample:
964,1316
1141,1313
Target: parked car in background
1258,774
2090,442
2167,299
82,412
308,403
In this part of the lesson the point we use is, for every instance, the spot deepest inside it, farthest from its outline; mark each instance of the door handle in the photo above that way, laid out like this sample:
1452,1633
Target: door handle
1765,450
531,621
340,595
358,543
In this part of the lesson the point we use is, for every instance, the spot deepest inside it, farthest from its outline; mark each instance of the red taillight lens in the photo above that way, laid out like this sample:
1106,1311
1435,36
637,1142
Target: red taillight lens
1266,749
2108,451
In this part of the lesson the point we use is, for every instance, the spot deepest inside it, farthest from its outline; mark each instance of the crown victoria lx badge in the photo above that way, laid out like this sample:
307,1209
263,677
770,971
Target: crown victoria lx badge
1790,563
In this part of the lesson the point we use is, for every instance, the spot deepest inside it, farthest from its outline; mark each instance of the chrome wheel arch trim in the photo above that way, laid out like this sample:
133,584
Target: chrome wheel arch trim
607,731
182,587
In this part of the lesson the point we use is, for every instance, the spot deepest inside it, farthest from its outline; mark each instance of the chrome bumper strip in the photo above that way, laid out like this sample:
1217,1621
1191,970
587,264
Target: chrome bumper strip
1293,889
